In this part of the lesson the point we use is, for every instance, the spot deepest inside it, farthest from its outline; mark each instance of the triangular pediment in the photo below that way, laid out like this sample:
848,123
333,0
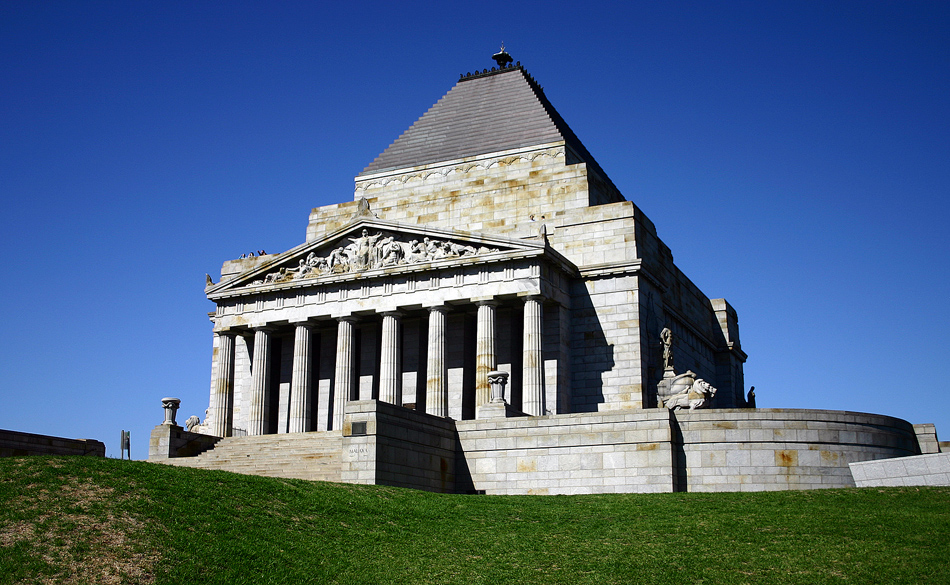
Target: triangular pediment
370,247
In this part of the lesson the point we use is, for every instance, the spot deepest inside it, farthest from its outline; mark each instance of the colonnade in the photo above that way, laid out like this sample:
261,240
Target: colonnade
390,373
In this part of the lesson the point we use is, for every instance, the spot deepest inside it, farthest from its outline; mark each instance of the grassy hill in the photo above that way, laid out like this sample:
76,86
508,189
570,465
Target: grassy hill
85,520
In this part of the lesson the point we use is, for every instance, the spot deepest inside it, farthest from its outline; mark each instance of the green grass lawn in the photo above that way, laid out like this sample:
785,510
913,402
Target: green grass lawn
88,520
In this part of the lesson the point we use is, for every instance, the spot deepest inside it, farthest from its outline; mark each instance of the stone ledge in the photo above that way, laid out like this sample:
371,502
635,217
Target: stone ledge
16,444
919,470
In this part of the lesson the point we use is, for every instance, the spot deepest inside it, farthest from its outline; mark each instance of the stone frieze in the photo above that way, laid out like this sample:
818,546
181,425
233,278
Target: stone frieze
373,251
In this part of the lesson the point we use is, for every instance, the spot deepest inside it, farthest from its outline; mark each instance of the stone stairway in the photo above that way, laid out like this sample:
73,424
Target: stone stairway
314,456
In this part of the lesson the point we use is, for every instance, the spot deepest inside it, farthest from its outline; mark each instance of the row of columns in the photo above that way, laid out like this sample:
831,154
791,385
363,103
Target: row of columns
390,388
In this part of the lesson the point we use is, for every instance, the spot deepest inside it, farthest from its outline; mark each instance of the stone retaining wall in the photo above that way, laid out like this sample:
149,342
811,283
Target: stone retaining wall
385,444
173,441
644,450
932,469
781,449
618,452
15,444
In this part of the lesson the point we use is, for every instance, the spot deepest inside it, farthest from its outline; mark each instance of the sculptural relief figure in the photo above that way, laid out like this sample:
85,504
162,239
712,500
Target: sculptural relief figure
417,252
301,270
365,248
368,252
192,422
666,336
394,253
697,395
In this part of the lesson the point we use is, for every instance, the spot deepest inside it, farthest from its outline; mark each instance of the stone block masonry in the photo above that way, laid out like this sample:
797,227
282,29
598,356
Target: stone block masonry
732,450
568,454
16,444
632,451
487,238
932,469
170,441
385,444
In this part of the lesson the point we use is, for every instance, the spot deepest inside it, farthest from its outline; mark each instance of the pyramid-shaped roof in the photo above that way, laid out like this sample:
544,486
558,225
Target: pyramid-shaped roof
486,112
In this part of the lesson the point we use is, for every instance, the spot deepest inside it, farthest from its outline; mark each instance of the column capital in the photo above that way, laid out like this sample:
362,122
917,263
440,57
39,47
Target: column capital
265,328
486,302
534,297
438,308
347,319
394,314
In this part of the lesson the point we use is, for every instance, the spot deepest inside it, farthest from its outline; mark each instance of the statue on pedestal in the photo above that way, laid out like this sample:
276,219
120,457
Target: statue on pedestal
666,336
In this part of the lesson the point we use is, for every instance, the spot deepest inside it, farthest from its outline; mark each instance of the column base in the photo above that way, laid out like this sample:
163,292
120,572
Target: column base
497,410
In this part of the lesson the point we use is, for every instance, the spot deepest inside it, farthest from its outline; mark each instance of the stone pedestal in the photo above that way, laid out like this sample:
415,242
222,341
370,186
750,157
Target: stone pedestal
497,410
497,407
167,441
171,408
672,384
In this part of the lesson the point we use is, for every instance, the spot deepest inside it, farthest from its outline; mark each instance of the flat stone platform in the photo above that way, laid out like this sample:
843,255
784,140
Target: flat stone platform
625,451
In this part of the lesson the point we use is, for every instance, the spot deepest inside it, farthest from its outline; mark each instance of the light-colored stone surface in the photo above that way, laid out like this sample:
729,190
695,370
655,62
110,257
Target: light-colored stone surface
172,441
927,438
300,389
258,417
437,390
525,259
651,450
919,470
568,454
313,456
401,447
776,449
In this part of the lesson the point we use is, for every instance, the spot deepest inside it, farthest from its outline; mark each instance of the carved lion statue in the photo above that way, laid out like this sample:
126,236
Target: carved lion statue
697,396
192,422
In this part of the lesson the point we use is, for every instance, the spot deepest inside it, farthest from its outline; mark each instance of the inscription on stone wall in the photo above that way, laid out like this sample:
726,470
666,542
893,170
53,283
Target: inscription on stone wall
358,453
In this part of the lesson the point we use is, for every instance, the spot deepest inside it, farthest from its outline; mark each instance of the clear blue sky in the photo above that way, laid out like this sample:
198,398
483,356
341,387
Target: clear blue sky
795,156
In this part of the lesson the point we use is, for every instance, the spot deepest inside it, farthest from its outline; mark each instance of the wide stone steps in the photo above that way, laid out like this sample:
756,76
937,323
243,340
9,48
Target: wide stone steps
314,456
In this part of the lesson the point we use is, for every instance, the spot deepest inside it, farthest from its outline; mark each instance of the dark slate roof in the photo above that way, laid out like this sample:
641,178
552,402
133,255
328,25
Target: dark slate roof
485,112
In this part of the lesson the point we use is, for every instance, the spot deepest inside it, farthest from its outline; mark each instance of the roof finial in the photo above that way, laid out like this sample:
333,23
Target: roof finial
502,57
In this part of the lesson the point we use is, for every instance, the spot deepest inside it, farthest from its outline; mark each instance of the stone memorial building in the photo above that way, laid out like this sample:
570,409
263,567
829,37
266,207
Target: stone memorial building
486,244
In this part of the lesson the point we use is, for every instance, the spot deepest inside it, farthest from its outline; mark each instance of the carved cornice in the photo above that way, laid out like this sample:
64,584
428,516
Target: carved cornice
443,170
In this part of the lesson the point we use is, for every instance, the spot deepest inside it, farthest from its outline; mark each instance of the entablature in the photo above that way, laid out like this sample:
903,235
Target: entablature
386,267
374,248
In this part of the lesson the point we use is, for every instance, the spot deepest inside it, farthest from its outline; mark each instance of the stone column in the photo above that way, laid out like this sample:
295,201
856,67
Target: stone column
437,388
300,407
222,399
484,350
532,376
260,382
390,374
345,369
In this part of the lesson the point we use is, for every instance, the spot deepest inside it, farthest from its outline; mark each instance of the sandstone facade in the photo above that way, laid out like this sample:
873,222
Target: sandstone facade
486,238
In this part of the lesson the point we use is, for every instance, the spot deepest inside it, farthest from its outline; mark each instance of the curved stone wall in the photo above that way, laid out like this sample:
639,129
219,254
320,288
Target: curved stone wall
781,449
627,451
